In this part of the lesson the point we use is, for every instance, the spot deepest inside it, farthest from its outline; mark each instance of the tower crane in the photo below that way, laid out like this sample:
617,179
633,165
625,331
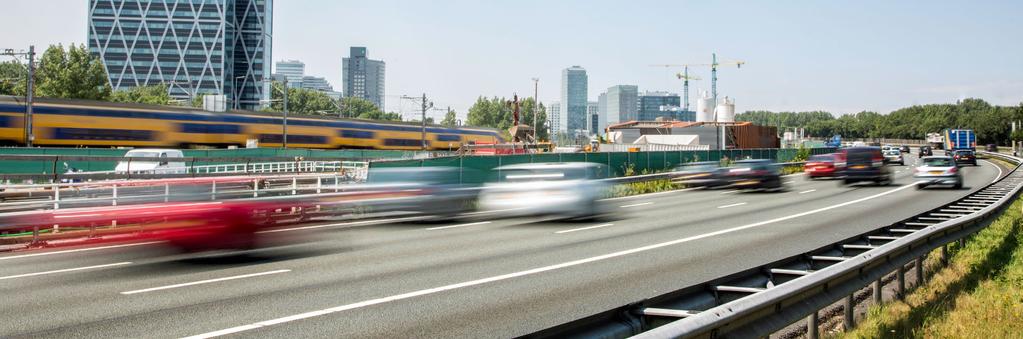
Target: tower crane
713,74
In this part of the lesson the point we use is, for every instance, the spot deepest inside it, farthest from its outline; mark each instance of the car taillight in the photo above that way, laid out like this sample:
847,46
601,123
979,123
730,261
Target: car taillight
953,170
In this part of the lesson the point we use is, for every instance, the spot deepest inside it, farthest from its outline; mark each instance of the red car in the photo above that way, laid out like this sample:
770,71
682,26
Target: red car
823,166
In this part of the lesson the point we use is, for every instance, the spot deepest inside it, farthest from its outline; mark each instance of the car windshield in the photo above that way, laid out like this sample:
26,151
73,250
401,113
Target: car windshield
892,153
938,162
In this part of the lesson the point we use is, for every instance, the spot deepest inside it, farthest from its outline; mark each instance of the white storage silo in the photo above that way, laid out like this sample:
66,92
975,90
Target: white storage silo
726,110
704,108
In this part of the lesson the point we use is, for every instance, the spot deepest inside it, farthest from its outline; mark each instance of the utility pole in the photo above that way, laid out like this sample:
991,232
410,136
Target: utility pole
536,108
30,96
284,126
425,104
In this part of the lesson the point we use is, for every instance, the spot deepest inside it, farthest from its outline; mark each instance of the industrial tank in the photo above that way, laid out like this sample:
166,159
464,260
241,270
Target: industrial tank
726,110
704,108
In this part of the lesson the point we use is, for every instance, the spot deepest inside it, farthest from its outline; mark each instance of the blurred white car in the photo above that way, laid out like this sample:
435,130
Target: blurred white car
938,170
164,162
568,190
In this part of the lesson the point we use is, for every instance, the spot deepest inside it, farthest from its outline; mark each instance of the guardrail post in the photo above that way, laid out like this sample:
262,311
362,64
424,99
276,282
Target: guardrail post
213,191
319,184
114,200
255,188
944,254
850,307
812,326
294,185
878,292
56,196
166,192
900,277
919,271
337,187
35,235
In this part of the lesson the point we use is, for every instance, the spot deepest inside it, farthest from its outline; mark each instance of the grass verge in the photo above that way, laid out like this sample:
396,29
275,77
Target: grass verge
978,295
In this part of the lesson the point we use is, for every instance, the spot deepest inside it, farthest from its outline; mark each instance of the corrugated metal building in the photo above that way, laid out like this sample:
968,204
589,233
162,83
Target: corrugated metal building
742,135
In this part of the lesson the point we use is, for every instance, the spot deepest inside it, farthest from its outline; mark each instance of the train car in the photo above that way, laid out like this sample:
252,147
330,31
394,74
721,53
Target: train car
80,123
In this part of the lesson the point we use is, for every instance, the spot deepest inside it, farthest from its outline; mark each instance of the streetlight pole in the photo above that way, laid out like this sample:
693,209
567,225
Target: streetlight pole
30,90
536,108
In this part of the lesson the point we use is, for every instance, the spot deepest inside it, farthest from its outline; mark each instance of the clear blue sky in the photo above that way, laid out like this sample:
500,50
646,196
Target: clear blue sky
839,56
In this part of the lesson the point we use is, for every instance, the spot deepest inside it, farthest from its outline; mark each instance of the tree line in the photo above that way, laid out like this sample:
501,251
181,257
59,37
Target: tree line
991,123
498,113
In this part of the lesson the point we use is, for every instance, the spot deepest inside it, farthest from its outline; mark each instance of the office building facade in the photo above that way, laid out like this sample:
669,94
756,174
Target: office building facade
195,47
363,77
574,91
653,105
593,118
622,104
292,70
554,115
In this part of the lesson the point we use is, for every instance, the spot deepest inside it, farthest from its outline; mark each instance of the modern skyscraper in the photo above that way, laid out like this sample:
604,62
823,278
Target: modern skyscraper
554,115
217,47
363,77
622,104
293,70
602,112
574,83
593,117
653,105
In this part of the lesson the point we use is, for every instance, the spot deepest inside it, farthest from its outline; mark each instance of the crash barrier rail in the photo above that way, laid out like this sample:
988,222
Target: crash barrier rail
672,175
480,169
61,168
119,193
760,301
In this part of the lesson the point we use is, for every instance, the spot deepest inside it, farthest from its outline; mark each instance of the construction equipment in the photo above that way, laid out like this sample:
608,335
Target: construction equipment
685,77
713,74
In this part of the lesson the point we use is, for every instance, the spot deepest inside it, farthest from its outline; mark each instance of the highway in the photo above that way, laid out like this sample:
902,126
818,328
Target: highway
471,278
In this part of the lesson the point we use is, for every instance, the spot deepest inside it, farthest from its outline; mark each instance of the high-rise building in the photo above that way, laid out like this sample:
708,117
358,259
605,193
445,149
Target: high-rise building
653,105
554,115
293,70
363,77
622,104
593,117
574,83
217,47
316,84
602,112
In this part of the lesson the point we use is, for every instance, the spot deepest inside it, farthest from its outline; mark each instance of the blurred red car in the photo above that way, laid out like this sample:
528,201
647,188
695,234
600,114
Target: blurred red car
823,166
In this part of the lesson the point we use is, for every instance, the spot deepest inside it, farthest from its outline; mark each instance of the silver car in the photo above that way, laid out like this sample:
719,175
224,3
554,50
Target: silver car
567,190
893,156
938,170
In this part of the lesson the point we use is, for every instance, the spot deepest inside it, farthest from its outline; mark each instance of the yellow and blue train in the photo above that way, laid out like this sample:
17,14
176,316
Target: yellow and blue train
79,123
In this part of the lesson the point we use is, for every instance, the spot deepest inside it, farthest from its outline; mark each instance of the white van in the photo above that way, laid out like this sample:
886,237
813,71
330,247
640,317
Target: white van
166,164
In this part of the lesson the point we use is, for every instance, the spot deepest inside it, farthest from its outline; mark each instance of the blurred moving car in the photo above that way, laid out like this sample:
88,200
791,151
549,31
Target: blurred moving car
434,191
886,148
165,165
822,166
905,149
865,164
992,148
700,174
938,170
893,156
925,151
965,156
568,190
762,174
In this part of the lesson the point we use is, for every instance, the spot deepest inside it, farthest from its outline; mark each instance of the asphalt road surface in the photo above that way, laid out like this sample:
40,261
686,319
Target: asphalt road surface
474,279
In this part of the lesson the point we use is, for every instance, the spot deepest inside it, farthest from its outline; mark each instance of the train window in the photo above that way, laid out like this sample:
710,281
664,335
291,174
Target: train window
101,134
403,142
355,134
293,139
449,137
211,128
5,121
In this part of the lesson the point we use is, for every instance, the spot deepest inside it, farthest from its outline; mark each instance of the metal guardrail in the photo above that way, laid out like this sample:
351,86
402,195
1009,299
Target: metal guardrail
762,300
668,175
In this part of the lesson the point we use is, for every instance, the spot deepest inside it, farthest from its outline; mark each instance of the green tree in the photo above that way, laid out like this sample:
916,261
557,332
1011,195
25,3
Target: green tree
152,95
12,78
450,119
497,113
302,101
354,107
71,73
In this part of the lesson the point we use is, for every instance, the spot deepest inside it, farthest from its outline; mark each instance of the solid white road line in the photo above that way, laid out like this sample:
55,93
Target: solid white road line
79,250
732,205
456,226
730,192
999,177
64,270
204,282
637,205
809,191
583,228
537,270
